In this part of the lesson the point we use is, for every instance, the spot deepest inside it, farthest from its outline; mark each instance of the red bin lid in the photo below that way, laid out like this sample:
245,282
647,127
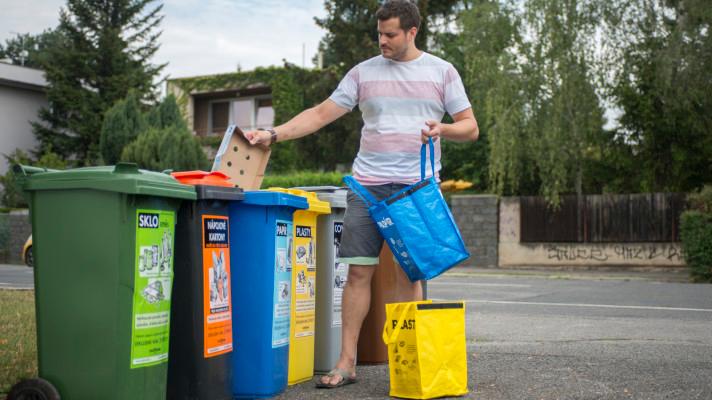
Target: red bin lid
215,178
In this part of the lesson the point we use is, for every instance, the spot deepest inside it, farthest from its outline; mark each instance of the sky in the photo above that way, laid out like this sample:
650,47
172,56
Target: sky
204,37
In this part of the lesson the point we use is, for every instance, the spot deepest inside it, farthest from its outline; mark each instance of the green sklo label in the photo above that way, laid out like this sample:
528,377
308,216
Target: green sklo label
153,282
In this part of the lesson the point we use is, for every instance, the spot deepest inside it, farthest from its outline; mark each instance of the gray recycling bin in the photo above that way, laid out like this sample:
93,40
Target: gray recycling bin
330,278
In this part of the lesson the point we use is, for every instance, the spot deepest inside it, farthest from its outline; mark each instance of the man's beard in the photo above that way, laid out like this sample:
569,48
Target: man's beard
395,54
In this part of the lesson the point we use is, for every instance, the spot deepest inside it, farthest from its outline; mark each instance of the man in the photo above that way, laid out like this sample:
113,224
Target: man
403,95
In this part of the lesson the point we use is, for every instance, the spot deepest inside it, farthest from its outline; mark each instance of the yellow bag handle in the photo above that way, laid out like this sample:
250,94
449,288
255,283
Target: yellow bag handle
388,339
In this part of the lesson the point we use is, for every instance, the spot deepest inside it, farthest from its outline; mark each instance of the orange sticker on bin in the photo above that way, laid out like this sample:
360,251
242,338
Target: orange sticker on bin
217,304
215,178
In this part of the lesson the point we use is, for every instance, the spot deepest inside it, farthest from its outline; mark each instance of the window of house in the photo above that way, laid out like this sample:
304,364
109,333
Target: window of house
247,113
219,116
265,114
243,113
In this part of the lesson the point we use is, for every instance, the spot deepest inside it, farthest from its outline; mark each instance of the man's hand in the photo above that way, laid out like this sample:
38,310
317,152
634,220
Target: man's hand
259,137
434,131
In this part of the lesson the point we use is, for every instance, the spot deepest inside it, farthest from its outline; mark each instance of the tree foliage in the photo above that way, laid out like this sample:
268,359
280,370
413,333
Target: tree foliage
165,114
543,111
12,195
484,31
122,124
101,50
35,46
173,147
166,143
663,72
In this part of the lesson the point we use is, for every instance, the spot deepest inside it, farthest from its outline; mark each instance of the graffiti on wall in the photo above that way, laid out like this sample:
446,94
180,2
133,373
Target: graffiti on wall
626,252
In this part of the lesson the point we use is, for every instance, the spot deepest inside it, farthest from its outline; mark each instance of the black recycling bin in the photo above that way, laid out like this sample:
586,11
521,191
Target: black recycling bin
199,364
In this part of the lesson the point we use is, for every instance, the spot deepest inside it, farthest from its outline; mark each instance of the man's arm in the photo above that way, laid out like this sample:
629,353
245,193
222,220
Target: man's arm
464,129
304,123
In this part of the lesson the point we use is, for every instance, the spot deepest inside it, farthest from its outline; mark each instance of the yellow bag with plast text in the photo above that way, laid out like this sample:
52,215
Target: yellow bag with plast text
427,353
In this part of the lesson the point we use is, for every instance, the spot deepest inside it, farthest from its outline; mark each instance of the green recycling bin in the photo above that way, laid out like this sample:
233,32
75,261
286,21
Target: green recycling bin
103,245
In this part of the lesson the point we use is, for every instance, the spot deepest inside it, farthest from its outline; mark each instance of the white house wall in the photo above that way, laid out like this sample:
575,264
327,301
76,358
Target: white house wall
18,107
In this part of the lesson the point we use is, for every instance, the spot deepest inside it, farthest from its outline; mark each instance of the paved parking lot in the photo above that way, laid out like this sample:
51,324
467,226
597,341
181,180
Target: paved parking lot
564,336
560,335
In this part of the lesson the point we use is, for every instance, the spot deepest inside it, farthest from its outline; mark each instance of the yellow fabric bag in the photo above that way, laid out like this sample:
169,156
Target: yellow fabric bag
427,353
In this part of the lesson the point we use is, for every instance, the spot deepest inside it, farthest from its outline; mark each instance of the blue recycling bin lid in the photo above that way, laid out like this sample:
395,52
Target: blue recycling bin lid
273,199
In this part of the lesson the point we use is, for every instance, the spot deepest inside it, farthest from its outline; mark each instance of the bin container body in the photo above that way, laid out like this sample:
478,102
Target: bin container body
260,245
200,364
304,293
103,246
330,279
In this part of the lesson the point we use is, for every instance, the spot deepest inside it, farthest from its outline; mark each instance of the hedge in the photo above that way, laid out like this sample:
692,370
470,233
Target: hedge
696,236
303,178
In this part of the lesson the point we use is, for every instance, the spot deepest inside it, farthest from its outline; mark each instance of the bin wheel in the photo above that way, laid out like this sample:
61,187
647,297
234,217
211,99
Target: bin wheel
33,389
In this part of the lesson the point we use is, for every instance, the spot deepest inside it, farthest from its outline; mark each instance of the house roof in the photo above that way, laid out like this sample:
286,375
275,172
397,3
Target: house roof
22,77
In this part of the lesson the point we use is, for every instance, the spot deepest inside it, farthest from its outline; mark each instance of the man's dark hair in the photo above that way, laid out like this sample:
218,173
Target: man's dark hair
405,10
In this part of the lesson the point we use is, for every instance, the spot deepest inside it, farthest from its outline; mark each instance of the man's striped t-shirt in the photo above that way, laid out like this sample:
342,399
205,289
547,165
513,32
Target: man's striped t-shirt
395,99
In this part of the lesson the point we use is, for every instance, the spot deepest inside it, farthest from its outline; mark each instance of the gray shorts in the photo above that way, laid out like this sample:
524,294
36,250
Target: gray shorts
361,241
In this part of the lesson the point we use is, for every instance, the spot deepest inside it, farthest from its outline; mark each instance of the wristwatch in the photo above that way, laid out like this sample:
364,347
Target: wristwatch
272,135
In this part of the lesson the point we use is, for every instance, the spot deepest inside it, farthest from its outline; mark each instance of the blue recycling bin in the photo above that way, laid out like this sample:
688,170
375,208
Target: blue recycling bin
261,249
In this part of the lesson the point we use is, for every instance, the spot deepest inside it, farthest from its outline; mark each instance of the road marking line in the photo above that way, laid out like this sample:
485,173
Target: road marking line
531,303
513,285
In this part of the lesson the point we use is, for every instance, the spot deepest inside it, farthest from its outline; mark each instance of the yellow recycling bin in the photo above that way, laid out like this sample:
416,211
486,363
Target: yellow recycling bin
303,315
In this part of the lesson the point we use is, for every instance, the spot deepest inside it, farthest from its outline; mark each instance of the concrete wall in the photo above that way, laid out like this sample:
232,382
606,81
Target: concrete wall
15,228
515,254
476,216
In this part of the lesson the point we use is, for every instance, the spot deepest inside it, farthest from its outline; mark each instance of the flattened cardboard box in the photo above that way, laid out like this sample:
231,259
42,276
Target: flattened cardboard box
244,163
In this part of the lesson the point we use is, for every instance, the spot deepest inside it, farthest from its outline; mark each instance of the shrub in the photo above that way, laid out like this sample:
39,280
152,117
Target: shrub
168,148
701,200
12,196
696,235
122,124
303,178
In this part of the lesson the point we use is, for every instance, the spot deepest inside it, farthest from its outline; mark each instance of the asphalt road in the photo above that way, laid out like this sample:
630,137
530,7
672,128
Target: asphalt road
559,336
590,337
16,277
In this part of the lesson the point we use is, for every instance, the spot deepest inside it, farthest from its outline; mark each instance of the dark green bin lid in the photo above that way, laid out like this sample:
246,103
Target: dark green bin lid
122,178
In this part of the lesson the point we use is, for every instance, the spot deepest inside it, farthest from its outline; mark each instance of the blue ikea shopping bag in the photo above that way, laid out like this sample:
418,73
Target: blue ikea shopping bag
417,224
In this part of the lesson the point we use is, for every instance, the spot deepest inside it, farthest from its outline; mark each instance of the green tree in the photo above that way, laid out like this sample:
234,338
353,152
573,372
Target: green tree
350,32
29,50
173,147
547,118
663,71
166,114
166,142
102,50
122,124
485,30
12,195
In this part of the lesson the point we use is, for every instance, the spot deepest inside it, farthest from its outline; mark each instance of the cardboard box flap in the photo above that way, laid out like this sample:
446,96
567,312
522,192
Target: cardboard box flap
242,162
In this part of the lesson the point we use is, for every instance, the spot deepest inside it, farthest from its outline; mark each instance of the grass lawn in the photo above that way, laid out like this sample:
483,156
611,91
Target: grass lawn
18,344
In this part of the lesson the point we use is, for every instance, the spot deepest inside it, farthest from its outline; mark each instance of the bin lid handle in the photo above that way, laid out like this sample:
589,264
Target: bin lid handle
126,168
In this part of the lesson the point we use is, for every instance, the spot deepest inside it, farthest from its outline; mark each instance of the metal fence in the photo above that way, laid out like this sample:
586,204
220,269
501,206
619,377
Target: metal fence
649,217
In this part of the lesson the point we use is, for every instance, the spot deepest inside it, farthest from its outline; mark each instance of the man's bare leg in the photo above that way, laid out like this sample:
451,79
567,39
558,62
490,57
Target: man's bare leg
405,289
354,307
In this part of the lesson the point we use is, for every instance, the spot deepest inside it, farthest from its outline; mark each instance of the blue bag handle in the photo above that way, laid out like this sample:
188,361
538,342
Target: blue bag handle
422,158
364,194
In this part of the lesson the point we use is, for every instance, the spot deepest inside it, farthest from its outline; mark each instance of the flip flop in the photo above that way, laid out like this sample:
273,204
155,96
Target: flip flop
346,379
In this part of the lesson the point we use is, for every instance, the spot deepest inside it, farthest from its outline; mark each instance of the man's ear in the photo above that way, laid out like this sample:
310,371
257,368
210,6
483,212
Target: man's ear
412,32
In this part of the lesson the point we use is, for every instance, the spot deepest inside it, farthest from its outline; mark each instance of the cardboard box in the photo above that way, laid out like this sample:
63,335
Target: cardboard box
244,163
